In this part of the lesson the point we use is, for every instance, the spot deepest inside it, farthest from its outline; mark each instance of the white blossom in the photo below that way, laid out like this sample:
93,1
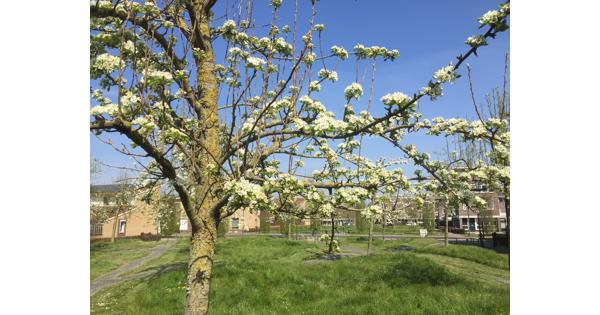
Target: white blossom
106,63
314,86
353,90
254,62
340,52
276,3
476,41
110,109
243,193
328,75
396,98
446,74
490,17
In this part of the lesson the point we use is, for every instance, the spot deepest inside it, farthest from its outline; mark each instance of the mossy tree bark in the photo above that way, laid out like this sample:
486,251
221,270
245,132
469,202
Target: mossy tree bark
202,250
330,251
205,215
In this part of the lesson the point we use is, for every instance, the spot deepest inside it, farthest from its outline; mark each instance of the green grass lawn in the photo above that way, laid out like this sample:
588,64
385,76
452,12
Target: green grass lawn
265,275
106,257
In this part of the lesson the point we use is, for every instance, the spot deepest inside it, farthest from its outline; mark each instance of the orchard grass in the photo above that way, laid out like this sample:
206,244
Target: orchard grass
267,275
106,256
174,257
472,253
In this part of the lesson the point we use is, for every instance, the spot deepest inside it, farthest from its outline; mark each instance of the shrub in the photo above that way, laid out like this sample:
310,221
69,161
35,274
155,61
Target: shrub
362,226
315,225
148,237
284,225
265,222
222,228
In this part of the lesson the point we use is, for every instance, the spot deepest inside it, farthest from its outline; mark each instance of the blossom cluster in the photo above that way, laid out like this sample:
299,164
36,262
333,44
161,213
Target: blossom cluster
339,52
353,90
446,74
371,210
396,98
105,64
373,52
496,18
325,74
243,193
476,41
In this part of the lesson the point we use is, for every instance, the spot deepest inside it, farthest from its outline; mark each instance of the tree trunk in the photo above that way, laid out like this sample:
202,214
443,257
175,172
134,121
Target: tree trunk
383,228
507,208
481,231
446,228
370,236
114,229
202,250
332,234
289,228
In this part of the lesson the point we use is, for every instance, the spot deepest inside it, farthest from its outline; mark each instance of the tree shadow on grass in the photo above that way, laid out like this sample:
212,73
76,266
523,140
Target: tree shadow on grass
156,272
411,269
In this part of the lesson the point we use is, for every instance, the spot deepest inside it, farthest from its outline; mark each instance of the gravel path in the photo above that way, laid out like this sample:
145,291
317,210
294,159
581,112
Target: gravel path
114,277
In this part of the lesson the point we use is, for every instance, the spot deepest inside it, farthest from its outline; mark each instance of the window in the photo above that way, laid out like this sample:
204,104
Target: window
122,224
490,203
96,229
502,224
183,225
235,223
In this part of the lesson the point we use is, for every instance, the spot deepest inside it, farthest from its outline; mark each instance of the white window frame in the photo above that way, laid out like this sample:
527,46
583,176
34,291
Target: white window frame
183,224
122,227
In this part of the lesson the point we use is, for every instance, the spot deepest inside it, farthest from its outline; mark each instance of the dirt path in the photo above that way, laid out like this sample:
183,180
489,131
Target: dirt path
114,277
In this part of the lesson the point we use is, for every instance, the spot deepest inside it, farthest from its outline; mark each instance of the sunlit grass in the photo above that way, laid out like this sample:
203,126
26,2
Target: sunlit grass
265,275
106,256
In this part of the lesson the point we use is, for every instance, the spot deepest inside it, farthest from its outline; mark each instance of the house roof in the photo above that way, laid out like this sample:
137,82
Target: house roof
107,188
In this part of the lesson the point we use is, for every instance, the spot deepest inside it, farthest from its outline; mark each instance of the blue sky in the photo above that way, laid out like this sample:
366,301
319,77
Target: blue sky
428,35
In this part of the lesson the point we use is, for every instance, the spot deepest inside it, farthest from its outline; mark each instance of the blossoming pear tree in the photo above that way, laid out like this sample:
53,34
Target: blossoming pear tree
218,133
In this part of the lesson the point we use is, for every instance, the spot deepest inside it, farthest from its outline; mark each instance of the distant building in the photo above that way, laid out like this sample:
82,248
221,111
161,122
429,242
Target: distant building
466,219
140,218
244,221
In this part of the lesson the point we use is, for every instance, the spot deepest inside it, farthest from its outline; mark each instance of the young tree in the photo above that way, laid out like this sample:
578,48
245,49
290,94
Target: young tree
167,215
95,169
221,154
265,222
123,201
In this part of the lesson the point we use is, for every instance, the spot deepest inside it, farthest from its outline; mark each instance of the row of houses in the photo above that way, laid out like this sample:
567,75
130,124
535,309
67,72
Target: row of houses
465,219
140,216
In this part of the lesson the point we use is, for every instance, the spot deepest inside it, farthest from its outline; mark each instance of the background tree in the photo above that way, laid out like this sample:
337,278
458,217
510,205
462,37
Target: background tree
265,222
167,215
223,227
123,200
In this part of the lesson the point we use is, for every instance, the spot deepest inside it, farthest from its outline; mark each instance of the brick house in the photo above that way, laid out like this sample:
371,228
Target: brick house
465,219
241,220
139,219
